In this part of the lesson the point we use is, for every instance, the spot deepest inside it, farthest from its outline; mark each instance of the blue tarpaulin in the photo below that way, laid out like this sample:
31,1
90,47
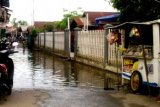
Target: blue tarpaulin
110,18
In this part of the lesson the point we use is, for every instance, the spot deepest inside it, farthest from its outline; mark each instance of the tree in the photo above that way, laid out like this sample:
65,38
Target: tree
22,22
61,25
48,27
31,38
14,22
137,10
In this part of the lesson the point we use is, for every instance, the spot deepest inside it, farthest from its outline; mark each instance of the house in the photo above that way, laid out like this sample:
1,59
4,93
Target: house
4,16
77,22
109,19
41,24
4,13
88,20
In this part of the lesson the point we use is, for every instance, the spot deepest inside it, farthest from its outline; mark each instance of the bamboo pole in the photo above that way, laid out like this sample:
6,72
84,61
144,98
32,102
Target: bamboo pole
145,61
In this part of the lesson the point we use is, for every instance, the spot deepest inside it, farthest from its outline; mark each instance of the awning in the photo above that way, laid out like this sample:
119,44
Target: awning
110,18
135,23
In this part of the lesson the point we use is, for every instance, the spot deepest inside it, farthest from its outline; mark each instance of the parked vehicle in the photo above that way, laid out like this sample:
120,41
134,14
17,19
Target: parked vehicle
6,66
140,49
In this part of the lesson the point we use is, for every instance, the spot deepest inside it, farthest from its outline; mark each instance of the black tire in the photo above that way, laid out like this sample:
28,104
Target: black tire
136,82
9,91
10,85
10,66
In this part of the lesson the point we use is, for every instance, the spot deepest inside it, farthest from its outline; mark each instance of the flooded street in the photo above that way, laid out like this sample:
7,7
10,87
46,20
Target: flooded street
42,80
37,70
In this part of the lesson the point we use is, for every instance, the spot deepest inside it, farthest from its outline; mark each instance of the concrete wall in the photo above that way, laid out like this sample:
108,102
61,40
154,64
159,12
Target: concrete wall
90,47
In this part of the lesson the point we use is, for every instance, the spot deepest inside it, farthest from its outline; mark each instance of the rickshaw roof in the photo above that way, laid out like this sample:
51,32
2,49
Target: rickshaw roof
122,25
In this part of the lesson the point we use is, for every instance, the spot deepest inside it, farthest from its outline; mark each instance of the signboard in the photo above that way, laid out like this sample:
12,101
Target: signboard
129,65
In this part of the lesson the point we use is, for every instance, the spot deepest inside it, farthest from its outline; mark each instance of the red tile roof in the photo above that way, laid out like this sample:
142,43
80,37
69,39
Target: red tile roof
41,24
78,20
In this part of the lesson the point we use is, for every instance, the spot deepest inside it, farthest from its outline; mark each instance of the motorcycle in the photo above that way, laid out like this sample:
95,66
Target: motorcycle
6,67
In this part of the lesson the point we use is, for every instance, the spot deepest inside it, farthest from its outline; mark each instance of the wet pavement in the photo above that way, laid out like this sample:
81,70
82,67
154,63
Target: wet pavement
42,80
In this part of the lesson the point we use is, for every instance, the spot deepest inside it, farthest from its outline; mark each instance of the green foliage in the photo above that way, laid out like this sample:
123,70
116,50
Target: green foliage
19,22
2,32
22,22
61,25
48,27
39,30
14,22
137,10
34,33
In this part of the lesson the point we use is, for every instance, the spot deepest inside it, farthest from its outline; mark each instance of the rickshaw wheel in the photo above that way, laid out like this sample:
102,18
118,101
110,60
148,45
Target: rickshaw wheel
135,82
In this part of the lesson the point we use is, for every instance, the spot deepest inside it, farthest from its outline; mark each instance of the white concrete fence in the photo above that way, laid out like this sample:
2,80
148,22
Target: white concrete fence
90,47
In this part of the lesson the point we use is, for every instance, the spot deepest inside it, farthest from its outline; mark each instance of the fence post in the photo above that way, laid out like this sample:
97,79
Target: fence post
76,40
44,40
105,47
38,40
53,41
67,42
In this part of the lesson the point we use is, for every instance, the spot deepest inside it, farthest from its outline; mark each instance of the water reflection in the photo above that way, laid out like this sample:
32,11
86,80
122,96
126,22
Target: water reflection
38,70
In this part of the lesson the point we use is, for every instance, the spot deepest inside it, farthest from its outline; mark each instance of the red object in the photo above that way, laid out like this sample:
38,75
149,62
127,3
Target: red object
4,68
114,37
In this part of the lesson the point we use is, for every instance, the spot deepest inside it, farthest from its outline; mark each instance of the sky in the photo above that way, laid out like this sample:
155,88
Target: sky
52,10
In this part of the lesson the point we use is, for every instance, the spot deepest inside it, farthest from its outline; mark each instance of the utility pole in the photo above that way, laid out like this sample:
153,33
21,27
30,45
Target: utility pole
33,18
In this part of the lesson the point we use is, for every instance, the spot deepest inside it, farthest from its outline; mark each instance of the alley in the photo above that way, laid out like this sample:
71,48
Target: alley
42,80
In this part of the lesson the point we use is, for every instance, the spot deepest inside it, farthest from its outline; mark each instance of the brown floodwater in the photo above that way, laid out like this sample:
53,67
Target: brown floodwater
42,71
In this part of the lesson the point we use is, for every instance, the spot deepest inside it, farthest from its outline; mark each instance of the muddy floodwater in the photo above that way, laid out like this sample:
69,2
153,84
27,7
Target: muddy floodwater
42,80
39,70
